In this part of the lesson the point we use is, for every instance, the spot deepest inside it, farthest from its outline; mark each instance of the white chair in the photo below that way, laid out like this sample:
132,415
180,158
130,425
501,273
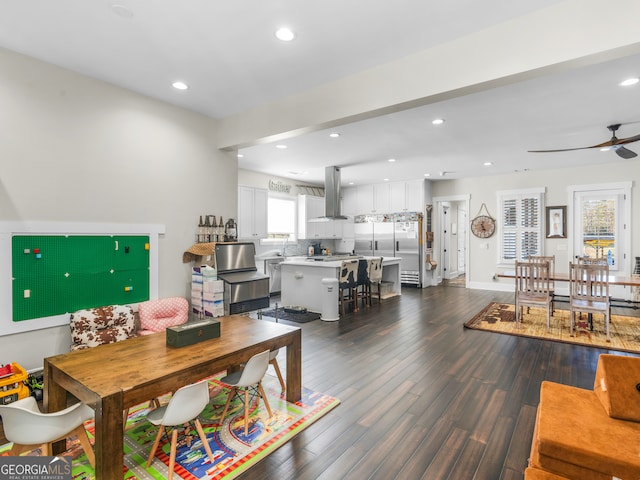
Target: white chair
246,380
28,428
183,408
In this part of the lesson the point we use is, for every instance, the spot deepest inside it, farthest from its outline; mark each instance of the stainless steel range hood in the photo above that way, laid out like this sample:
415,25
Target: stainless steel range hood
331,196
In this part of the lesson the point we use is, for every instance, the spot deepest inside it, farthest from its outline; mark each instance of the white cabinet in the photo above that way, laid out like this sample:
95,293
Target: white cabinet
252,212
309,209
350,201
407,196
365,199
381,198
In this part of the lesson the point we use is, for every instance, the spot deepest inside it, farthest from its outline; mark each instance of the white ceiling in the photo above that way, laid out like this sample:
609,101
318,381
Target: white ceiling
227,54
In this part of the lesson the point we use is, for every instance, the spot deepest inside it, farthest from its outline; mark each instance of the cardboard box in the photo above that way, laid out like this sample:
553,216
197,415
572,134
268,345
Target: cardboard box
192,332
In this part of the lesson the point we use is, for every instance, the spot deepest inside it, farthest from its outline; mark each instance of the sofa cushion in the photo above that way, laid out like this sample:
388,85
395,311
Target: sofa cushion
97,326
617,378
158,315
574,432
533,473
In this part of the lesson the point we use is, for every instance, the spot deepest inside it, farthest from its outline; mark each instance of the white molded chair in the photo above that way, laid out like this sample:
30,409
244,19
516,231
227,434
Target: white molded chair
246,380
28,428
184,407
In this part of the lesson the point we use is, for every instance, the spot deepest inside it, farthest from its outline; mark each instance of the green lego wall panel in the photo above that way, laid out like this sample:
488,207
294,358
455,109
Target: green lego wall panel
56,274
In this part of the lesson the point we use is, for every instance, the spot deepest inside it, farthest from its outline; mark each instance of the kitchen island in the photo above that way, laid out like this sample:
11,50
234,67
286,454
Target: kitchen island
302,280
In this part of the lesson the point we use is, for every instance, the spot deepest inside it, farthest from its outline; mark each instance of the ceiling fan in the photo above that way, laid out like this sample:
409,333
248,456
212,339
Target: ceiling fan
615,144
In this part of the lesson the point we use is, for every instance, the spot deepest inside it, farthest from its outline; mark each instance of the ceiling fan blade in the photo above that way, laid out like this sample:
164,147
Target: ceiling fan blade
625,152
563,149
624,141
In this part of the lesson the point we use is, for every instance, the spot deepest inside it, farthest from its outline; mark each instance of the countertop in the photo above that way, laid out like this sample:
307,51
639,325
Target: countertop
303,261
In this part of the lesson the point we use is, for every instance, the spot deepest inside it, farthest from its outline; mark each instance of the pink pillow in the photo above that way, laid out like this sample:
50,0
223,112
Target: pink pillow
157,315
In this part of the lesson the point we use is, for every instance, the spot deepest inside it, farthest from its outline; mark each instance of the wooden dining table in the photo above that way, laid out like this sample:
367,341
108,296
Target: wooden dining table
114,377
629,281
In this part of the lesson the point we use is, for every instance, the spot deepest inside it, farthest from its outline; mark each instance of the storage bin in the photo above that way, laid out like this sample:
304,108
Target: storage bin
13,388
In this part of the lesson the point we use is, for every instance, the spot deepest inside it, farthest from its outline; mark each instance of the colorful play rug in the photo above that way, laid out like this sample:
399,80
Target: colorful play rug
500,318
234,452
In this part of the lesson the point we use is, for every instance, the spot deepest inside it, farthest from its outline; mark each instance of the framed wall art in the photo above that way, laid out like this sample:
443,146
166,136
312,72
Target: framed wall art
557,222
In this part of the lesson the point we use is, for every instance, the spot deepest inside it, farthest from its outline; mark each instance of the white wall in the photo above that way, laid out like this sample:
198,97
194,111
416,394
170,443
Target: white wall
483,263
77,150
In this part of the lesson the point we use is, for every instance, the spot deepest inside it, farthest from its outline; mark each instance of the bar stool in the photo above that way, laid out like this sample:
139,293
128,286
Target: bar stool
363,286
375,276
347,284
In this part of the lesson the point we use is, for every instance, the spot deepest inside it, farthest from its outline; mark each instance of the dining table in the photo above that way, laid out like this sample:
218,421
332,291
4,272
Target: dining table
114,377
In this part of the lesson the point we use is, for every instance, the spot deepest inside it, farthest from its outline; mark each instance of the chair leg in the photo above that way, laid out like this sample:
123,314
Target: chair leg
81,433
232,392
264,399
246,411
274,362
205,442
154,447
172,455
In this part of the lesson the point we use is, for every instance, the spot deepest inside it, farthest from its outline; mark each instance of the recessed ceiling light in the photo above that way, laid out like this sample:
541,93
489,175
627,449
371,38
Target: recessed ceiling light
240,155
486,164
438,121
285,34
121,10
629,81
427,174
386,179
334,135
281,146
351,183
180,85
391,160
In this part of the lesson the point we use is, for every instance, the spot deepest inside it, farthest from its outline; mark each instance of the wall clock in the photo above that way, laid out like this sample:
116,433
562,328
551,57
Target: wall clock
483,225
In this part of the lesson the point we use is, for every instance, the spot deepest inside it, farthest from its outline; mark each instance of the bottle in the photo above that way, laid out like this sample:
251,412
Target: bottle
230,230
214,230
206,237
220,230
200,231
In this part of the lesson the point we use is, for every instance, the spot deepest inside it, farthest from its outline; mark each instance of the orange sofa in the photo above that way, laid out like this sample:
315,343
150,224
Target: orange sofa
590,434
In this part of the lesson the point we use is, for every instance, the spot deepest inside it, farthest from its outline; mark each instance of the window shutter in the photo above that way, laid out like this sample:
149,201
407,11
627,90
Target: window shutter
521,234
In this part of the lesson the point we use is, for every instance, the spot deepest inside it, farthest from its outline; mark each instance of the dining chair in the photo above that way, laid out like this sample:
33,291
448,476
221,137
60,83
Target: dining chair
347,283
589,292
532,289
592,260
247,380
183,408
28,428
552,274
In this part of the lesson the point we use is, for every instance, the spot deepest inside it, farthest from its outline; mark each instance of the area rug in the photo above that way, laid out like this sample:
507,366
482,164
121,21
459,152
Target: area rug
500,318
234,452
292,317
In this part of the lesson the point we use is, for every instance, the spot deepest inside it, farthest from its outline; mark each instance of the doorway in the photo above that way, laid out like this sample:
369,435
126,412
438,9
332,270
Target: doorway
450,245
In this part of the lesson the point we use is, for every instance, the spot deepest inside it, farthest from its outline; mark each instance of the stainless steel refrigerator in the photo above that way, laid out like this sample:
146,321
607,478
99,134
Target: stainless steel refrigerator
392,235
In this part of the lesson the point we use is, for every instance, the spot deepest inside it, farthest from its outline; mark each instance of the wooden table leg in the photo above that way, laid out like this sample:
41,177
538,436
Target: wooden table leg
109,437
294,368
55,399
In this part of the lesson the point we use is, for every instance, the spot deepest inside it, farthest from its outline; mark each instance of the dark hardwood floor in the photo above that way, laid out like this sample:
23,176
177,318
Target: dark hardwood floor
422,397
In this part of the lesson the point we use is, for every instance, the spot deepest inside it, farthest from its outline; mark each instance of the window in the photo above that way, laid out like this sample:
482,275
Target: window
600,224
281,220
520,225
